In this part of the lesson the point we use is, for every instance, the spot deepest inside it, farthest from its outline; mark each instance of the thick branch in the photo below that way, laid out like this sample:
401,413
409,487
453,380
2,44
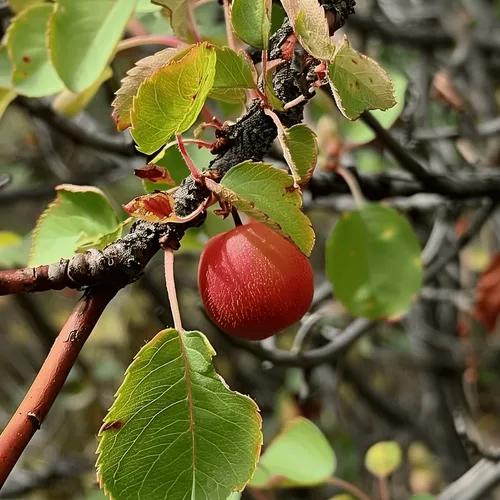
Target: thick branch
389,185
51,377
118,264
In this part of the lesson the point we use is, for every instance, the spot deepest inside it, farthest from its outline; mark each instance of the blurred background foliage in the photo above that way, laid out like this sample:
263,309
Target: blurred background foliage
400,382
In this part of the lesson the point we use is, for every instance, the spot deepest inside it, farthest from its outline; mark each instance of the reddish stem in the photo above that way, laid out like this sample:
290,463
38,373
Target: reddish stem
210,118
347,486
383,489
193,169
50,379
172,294
138,41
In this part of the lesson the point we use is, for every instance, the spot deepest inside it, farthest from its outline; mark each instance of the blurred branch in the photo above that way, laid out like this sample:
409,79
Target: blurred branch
391,184
382,406
452,251
485,129
416,36
456,186
36,319
22,483
51,377
314,357
76,133
4,180
475,483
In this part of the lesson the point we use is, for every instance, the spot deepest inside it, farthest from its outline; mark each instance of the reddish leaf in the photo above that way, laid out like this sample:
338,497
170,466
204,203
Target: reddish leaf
143,69
154,173
154,207
487,309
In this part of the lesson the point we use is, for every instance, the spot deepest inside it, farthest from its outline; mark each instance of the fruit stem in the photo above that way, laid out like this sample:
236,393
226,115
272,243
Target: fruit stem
236,217
172,294
353,184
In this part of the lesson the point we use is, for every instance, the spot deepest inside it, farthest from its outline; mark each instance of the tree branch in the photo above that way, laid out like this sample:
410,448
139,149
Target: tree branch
389,185
51,377
76,133
455,187
118,264
452,251
475,483
416,36
314,357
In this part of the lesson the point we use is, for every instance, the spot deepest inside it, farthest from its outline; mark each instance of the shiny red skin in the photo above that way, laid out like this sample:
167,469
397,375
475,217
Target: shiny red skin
253,282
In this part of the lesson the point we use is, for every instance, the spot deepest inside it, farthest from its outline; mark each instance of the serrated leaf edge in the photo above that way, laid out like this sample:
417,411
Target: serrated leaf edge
127,375
338,99
263,217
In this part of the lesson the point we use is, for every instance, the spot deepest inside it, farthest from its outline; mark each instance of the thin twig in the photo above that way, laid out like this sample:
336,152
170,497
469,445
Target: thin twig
351,488
139,41
383,489
354,187
453,251
51,377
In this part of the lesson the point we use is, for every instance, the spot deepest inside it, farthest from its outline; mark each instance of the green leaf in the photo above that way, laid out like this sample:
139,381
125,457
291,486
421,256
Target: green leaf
146,7
83,36
169,101
299,456
33,74
234,73
69,104
144,68
311,27
271,96
103,240
5,68
181,18
78,213
300,150
358,83
267,194
19,5
383,458
373,261
14,250
359,133
6,97
251,21
175,429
